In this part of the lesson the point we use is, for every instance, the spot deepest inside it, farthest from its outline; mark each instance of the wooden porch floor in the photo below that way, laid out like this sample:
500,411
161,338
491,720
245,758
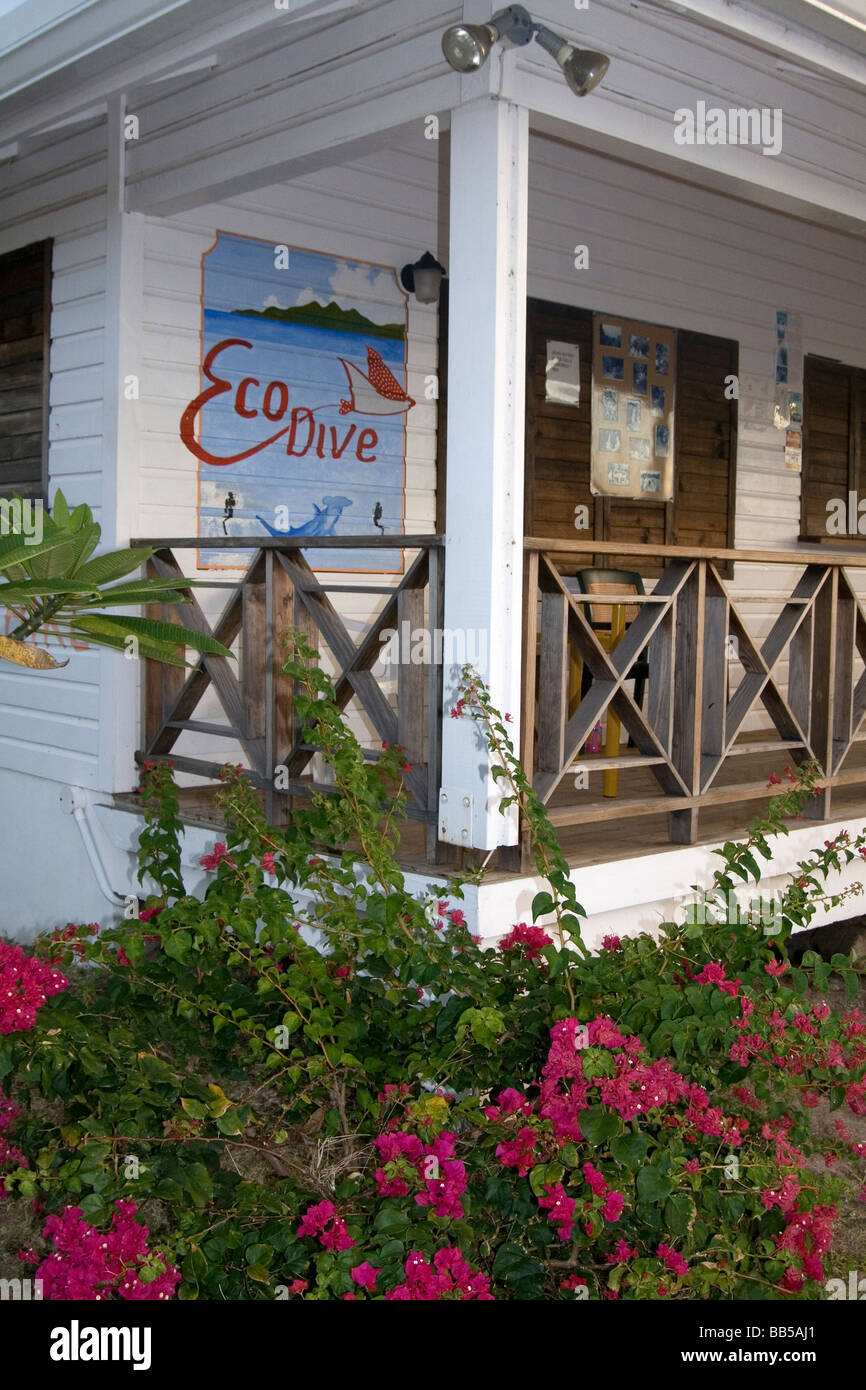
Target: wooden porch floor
611,832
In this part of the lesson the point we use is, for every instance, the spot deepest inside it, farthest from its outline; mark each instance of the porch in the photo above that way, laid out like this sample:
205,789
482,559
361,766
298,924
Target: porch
751,669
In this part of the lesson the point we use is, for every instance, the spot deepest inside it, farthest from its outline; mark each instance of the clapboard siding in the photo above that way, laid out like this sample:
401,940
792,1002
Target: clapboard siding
49,721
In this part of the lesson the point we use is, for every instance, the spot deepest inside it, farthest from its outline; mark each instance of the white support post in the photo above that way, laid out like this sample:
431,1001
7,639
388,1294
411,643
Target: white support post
486,404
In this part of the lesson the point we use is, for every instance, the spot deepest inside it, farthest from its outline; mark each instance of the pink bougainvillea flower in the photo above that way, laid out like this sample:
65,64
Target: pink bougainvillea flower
532,938
365,1275
457,917
448,1277
25,984
612,1207
855,1095
220,853
92,1265
611,943
674,1262
322,1220
268,863
560,1209
148,913
518,1153
595,1179
776,967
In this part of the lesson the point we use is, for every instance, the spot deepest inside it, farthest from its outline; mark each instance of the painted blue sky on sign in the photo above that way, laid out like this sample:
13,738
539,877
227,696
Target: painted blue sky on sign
300,424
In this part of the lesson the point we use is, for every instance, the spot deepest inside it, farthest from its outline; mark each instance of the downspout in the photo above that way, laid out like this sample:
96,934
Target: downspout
75,802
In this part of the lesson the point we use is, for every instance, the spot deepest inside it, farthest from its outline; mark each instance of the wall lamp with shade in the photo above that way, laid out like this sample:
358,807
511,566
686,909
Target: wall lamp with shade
423,279
467,47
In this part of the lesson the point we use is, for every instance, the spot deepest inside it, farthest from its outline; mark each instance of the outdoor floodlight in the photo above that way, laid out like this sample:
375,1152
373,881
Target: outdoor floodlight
467,47
583,68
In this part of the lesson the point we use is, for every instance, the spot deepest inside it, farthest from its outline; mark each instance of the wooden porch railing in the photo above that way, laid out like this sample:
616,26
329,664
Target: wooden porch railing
279,590
693,722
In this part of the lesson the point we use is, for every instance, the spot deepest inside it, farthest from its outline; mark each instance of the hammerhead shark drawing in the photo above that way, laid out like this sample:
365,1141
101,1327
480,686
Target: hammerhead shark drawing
322,523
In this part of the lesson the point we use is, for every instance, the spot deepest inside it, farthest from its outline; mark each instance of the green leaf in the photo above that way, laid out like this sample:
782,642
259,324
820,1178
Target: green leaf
138,591
390,1219
652,1185
230,1123
194,1108
171,633
543,1175
178,946
597,1124
259,1255
680,1213
542,906
19,591
629,1150
114,565
512,1264
13,551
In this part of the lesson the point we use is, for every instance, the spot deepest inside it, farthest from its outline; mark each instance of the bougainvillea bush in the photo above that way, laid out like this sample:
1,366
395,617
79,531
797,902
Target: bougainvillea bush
313,1085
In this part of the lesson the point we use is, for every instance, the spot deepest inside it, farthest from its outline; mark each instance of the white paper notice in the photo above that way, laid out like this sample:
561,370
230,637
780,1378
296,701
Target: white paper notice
563,373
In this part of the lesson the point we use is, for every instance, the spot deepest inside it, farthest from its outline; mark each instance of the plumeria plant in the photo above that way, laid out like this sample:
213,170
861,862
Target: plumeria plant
312,1084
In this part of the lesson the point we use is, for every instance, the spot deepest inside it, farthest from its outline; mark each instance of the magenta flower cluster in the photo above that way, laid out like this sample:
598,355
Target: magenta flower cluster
323,1221
25,984
93,1265
448,1277
407,1159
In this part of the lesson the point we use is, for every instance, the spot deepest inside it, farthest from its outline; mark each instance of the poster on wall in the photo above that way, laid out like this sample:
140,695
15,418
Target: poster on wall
633,402
562,373
299,428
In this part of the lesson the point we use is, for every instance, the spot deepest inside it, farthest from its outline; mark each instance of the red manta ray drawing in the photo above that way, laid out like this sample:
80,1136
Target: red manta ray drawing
377,393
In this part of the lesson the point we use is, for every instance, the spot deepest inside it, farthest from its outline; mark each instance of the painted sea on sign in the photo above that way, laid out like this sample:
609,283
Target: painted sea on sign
299,426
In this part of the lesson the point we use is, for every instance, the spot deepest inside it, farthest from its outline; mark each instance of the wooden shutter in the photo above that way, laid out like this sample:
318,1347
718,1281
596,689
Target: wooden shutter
25,299
558,436
705,442
834,442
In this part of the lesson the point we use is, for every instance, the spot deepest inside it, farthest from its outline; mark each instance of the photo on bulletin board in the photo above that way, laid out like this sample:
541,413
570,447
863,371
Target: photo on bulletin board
633,389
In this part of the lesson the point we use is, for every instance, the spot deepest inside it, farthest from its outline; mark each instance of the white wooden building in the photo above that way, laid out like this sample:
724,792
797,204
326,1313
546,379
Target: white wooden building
133,136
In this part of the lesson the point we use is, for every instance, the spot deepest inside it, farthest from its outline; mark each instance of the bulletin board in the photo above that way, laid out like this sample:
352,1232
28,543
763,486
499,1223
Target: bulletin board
633,408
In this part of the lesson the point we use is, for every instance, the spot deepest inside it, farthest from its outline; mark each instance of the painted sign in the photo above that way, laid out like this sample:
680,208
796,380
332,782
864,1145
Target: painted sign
299,427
